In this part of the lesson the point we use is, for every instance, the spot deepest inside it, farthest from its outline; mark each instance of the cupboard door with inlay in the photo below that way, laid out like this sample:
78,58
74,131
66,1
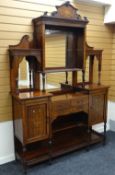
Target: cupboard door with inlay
97,108
37,122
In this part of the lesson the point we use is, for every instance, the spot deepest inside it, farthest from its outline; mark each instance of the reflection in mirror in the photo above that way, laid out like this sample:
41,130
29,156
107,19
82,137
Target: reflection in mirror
48,83
23,72
55,79
55,49
95,71
79,73
79,79
87,70
64,48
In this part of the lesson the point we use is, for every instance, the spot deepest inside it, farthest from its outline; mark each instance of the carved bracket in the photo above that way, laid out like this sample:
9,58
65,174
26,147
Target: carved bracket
23,49
23,44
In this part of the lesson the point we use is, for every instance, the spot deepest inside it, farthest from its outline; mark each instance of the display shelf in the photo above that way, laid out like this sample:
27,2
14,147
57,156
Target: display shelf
75,120
59,69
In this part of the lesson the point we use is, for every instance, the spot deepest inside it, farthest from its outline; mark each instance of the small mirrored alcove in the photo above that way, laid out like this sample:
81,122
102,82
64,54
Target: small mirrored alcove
24,62
23,74
26,72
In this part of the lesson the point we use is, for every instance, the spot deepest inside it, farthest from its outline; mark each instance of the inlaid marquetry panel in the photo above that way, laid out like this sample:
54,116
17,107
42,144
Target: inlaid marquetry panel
96,108
36,122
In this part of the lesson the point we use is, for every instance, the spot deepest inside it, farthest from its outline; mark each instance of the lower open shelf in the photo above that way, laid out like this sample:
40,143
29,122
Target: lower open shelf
62,143
74,120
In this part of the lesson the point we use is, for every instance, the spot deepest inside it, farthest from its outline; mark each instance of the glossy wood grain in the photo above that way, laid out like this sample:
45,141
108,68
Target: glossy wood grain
51,123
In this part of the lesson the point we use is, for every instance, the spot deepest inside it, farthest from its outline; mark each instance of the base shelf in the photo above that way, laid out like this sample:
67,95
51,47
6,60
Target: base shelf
62,143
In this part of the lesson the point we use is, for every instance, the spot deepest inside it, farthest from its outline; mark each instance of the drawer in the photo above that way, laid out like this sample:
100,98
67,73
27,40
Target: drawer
35,101
61,108
81,101
80,108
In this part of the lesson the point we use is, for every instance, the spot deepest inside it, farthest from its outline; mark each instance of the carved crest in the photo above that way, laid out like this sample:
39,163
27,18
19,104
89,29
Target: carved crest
67,10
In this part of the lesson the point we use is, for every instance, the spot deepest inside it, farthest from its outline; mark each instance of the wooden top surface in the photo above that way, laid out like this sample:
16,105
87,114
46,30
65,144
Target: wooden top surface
31,95
58,95
68,96
91,87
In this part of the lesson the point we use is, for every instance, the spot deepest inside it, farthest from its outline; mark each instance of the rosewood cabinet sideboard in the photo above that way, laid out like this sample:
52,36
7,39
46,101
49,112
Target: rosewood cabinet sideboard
49,123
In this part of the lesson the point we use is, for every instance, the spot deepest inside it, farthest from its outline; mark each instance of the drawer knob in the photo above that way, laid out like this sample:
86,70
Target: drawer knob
33,111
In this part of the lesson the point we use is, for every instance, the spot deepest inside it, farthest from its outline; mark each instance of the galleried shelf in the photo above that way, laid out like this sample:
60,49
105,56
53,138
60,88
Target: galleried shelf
49,123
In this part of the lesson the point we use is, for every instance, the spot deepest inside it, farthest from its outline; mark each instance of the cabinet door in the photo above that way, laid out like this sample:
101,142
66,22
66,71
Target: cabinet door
37,122
97,108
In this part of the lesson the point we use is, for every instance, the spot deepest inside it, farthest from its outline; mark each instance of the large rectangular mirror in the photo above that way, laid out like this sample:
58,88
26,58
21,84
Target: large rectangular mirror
64,48
55,50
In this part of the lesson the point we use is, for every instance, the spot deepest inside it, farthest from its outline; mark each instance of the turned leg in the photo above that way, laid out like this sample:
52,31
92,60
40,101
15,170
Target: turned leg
24,168
50,151
43,81
23,162
15,148
105,127
24,148
89,138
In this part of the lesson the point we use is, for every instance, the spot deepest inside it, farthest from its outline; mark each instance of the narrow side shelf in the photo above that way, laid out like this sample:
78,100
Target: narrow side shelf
59,69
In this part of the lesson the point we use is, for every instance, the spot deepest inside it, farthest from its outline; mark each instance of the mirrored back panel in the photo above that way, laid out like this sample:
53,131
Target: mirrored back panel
23,72
64,47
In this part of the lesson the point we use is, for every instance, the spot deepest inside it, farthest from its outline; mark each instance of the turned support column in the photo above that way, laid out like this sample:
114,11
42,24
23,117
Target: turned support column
43,81
99,58
66,82
91,66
